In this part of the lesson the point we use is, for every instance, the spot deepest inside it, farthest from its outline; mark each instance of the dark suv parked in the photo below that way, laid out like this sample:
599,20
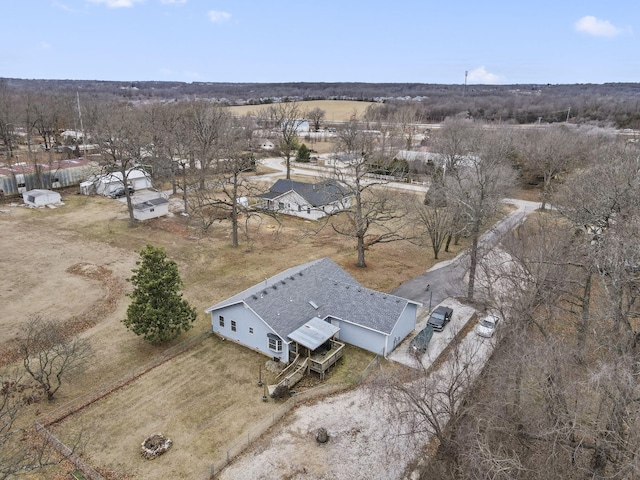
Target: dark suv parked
119,192
440,317
419,343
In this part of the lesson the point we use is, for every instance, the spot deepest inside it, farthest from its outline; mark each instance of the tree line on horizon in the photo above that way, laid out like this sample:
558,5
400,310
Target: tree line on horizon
609,104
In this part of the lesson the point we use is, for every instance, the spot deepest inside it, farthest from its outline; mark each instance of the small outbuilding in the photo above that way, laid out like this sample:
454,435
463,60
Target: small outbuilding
156,207
41,198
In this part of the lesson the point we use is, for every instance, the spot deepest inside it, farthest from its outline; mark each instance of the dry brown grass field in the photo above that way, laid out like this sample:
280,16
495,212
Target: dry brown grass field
336,110
71,263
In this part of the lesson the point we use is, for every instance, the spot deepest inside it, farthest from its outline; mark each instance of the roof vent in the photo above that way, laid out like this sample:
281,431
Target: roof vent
300,273
275,287
313,304
255,297
264,292
282,282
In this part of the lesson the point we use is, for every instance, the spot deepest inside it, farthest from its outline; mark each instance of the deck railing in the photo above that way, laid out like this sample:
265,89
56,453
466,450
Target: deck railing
322,363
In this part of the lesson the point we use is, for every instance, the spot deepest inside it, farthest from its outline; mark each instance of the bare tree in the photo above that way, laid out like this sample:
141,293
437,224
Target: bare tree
431,402
433,222
550,152
207,124
48,355
370,213
20,451
477,184
285,119
316,115
222,199
120,130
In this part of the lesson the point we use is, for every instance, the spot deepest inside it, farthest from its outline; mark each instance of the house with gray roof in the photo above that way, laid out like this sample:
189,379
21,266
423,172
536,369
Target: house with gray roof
307,200
311,304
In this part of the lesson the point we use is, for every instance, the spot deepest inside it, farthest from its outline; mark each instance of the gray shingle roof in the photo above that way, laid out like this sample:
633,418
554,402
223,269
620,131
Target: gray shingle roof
287,300
317,194
154,202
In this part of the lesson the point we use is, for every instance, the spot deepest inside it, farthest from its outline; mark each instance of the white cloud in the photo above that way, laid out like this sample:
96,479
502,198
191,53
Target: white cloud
480,75
117,3
62,6
596,27
218,17
173,2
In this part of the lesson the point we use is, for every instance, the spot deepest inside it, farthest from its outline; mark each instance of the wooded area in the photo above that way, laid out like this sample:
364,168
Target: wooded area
559,398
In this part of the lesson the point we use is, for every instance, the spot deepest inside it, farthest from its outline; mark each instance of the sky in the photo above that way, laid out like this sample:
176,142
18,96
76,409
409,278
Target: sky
405,41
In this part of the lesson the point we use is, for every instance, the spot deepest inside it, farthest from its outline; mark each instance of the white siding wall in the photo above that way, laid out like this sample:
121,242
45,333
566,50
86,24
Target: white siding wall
156,211
406,324
361,337
245,319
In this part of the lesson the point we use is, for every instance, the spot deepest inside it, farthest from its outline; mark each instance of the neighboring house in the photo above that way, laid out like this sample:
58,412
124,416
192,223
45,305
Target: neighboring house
41,198
267,145
156,207
299,125
283,312
107,183
71,136
307,200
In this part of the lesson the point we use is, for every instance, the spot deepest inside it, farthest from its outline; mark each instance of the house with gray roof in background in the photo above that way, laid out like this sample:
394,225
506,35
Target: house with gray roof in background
310,305
312,201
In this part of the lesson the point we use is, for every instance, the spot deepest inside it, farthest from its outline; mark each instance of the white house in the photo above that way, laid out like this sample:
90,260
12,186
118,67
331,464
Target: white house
41,198
106,183
307,200
267,145
277,315
156,207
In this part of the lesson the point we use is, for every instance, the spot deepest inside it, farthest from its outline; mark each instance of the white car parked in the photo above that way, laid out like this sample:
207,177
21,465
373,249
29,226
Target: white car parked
487,326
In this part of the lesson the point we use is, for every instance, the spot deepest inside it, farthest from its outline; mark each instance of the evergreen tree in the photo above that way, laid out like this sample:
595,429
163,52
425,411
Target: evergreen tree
157,310
303,153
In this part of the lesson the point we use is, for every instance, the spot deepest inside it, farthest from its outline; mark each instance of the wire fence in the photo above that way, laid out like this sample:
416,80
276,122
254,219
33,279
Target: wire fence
235,448
66,452
84,401
238,445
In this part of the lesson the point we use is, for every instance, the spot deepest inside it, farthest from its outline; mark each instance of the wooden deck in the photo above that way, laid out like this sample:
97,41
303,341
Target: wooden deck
321,362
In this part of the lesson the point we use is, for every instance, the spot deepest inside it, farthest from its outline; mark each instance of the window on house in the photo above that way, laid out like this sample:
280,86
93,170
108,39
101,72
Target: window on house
308,209
281,205
152,210
299,208
251,330
275,342
221,320
233,325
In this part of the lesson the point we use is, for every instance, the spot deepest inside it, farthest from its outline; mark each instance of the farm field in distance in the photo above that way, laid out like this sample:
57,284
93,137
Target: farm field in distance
71,263
336,110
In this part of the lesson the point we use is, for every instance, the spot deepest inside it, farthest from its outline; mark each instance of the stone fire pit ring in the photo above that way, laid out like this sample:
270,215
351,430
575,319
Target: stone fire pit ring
154,446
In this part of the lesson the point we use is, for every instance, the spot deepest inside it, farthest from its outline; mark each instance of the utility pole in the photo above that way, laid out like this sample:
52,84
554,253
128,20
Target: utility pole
568,112
464,90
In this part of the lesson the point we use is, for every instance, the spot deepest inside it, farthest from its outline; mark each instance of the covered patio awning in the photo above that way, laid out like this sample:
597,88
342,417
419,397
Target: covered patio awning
314,333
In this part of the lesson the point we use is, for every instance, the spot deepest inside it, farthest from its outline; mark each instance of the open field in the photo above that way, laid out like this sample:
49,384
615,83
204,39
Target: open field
336,110
71,263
